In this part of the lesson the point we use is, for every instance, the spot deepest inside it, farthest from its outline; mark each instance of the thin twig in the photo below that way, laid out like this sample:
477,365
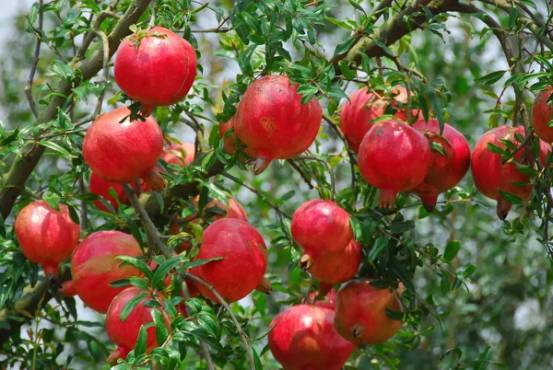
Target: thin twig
302,174
38,32
105,49
351,155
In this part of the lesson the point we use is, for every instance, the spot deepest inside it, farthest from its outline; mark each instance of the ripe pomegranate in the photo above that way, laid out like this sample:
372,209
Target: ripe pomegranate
155,67
393,157
321,226
447,168
273,123
244,259
180,154
46,236
94,266
122,150
364,107
124,333
493,177
102,187
361,313
304,338
229,141
542,113
334,267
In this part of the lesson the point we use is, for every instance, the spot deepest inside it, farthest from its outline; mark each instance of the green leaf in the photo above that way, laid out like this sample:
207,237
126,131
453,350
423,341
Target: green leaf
200,262
138,263
140,347
491,78
161,328
162,271
451,250
130,305
379,245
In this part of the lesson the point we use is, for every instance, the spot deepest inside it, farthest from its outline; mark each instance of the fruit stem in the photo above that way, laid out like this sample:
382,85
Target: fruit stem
260,164
387,198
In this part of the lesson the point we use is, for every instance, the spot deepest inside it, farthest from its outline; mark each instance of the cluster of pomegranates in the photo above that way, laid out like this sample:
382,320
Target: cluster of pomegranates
421,158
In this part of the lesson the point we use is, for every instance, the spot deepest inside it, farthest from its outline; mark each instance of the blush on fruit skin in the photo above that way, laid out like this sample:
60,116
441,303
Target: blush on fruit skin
492,176
101,187
94,266
273,123
393,157
334,267
243,264
361,313
180,154
447,169
125,333
120,150
157,68
304,338
542,113
46,236
321,226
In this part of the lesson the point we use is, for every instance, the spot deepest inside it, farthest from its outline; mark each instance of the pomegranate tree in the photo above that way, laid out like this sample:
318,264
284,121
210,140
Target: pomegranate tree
243,262
46,236
334,267
393,157
542,113
321,226
273,123
361,315
94,267
494,177
104,189
155,67
304,337
122,150
448,165
124,332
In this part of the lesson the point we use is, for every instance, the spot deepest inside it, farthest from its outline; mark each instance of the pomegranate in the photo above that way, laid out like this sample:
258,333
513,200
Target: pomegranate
493,177
542,113
446,168
122,150
334,267
229,141
364,107
393,157
179,154
243,262
46,236
101,187
321,226
361,313
304,338
124,333
155,67
94,266
273,123
327,300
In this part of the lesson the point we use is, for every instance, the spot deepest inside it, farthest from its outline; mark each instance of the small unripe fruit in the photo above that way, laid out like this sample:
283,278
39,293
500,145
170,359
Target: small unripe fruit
46,236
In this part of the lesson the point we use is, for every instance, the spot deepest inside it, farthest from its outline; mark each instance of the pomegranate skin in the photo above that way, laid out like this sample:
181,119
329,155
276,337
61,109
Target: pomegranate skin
46,236
94,266
122,152
393,157
542,113
361,313
125,333
156,69
492,177
447,169
273,123
244,259
321,226
303,337
336,267
102,187
181,154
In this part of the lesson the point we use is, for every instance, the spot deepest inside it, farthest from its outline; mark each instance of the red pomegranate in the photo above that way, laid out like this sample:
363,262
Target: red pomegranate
493,177
46,236
542,113
321,226
334,267
361,313
244,259
393,157
447,168
273,123
155,67
122,150
94,266
103,188
304,338
124,333
179,154
229,141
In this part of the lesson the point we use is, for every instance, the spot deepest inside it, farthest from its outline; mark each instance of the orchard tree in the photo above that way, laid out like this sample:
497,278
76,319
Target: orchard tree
296,184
